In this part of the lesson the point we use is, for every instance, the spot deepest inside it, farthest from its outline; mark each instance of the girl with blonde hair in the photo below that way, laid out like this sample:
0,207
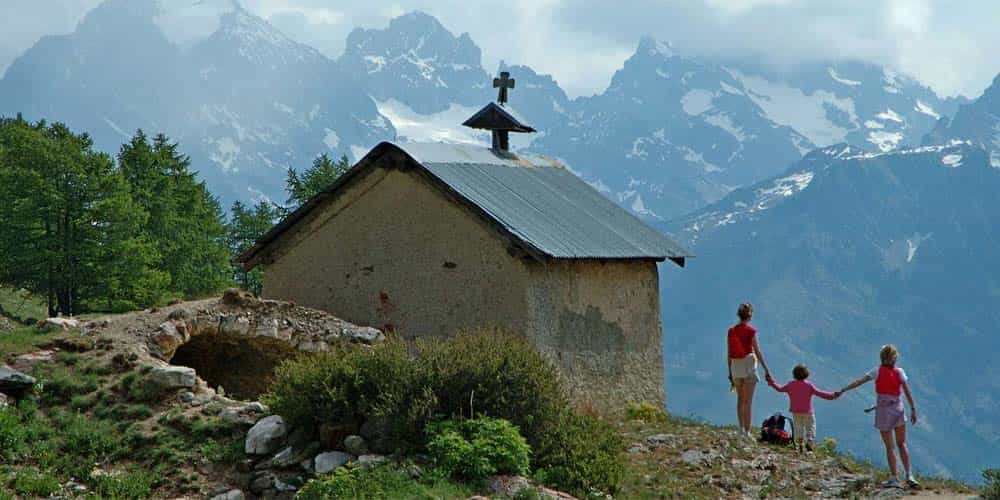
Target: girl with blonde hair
890,383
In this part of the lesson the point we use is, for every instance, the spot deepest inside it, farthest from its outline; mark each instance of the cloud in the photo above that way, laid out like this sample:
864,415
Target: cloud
948,45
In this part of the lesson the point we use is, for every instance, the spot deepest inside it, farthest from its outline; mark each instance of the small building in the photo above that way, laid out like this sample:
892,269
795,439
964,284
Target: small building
428,239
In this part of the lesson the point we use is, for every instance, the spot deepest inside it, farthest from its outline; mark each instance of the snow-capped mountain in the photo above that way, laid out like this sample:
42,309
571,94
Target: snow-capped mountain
978,121
245,101
843,252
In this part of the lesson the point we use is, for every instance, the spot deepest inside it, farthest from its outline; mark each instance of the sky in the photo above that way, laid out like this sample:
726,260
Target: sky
947,44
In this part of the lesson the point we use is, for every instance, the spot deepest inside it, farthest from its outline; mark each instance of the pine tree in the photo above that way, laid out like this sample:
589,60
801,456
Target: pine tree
323,172
246,226
67,213
185,221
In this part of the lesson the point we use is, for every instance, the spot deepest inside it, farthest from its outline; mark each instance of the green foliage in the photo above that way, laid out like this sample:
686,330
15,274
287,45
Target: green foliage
25,339
316,178
491,374
991,484
386,481
184,221
21,305
246,226
36,483
647,412
69,229
478,448
581,454
128,485
60,386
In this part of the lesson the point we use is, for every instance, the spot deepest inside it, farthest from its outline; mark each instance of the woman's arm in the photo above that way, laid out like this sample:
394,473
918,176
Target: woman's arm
863,380
913,407
760,356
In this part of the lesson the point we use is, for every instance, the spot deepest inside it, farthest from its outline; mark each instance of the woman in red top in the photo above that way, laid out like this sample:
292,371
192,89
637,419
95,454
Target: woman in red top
744,352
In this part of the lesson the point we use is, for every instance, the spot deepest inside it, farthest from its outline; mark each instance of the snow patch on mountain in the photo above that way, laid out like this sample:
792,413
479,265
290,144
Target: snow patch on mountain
444,126
885,141
952,160
837,78
806,113
921,107
889,114
899,253
723,121
697,101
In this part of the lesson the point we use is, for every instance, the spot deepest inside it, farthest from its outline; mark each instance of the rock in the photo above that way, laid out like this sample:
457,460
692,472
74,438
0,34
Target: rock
508,486
261,482
696,457
266,436
368,461
329,461
364,334
173,377
14,383
55,324
300,437
230,495
3,400
638,448
659,439
247,414
179,315
283,486
186,397
355,445
167,338
27,361
293,455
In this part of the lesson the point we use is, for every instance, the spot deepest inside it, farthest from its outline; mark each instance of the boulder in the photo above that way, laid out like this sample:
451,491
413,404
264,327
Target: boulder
173,377
246,415
56,324
355,445
293,455
230,495
14,383
329,461
375,430
368,461
168,338
3,400
331,437
363,334
508,486
266,436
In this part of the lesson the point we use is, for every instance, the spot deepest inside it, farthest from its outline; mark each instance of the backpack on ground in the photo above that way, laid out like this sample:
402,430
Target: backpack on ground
773,430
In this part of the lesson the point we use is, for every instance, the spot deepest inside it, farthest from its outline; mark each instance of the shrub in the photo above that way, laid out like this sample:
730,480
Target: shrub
36,483
123,486
647,412
581,454
991,486
385,481
475,449
12,433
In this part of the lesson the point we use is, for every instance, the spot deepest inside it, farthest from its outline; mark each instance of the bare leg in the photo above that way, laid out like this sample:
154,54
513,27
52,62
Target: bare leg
747,390
890,453
739,401
904,452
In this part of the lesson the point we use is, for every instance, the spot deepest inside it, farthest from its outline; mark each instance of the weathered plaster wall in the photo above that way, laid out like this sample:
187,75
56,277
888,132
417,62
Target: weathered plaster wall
601,321
416,263
421,264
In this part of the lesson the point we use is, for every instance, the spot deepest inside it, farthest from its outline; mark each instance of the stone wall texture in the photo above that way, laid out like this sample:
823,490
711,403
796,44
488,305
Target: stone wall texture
395,252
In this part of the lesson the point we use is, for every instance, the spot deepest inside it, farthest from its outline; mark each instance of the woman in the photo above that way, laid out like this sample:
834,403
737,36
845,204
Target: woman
744,352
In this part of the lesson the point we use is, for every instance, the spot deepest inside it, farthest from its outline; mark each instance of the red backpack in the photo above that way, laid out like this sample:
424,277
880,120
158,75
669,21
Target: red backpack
773,430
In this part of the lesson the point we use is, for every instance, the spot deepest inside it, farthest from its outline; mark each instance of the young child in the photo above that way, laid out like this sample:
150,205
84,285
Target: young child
890,382
800,392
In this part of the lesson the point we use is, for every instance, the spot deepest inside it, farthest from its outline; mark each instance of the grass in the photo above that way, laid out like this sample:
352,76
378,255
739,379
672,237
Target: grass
24,339
20,304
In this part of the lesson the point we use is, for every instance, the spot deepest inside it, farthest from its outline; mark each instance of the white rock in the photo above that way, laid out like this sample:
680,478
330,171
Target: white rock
52,324
368,461
173,377
329,461
230,495
266,436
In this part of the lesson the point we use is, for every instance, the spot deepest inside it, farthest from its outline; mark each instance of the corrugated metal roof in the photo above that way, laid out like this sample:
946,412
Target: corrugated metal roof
544,204
534,199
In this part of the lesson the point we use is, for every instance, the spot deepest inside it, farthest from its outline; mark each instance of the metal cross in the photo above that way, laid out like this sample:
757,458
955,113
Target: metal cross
503,83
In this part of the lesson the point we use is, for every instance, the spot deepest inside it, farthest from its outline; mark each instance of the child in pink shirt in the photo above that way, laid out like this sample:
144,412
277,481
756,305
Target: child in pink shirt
800,393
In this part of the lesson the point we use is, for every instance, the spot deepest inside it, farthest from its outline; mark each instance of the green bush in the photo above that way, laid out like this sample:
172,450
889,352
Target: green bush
132,485
581,454
36,483
12,433
991,486
488,373
475,449
385,481
647,412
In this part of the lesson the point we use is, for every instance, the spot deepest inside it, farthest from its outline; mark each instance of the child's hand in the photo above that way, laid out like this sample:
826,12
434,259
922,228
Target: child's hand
836,394
913,416
767,377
